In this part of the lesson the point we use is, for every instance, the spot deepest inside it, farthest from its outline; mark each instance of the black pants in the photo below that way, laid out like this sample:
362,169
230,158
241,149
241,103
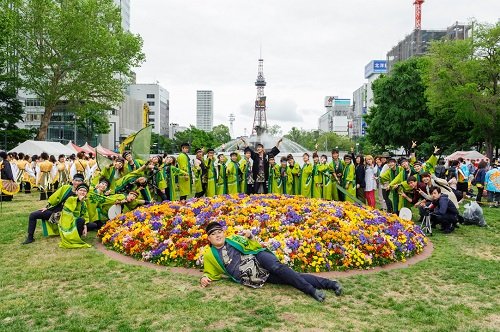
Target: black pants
447,221
200,194
183,198
161,194
80,223
249,189
94,226
388,202
360,194
282,274
34,216
480,191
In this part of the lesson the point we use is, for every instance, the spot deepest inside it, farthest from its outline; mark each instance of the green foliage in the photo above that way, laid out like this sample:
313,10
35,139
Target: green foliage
161,144
92,120
201,139
221,134
275,130
74,51
400,115
462,80
324,141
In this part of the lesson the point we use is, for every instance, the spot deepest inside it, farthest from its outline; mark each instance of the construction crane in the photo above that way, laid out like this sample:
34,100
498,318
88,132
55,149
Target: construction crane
145,115
418,14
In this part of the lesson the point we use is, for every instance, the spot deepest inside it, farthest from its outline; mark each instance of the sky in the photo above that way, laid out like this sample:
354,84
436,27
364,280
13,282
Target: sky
311,49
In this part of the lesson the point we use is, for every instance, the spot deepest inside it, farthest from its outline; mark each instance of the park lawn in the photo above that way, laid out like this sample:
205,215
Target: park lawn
45,288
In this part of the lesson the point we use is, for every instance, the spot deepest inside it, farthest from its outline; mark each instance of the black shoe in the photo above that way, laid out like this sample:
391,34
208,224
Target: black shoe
337,288
319,295
28,240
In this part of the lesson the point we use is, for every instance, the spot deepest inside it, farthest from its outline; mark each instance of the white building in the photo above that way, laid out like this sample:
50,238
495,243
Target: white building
358,111
335,118
124,6
174,128
157,98
204,109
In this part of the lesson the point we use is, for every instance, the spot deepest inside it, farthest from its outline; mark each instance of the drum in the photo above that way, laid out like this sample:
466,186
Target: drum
114,211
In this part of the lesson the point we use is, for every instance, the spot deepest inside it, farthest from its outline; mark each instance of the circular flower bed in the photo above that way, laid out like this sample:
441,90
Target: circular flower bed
310,235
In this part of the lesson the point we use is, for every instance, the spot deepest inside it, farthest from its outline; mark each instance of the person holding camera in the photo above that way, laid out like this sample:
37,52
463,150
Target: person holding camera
443,211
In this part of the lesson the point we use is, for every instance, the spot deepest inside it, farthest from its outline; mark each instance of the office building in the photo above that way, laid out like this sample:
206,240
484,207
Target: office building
157,98
204,110
335,119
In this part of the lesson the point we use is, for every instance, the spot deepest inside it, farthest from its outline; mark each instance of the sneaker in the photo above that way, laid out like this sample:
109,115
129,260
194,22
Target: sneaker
319,295
28,240
337,288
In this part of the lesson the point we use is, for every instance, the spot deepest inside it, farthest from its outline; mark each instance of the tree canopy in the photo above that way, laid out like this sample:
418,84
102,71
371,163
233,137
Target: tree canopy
400,115
462,80
73,51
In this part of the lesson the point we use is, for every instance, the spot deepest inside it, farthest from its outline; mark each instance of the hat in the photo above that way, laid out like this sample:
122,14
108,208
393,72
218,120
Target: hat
82,185
212,227
417,163
78,176
385,154
347,156
125,154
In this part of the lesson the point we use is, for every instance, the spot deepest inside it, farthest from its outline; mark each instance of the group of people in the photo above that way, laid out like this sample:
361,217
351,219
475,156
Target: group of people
81,195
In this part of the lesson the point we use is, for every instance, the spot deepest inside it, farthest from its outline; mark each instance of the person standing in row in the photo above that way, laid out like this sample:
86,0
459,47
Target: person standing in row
185,180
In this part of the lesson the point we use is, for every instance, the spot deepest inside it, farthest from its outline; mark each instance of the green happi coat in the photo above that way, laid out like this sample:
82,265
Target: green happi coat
349,181
233,177
211,178
128,179
213,265
327,183
136,164
94,202
171,173
286,177
114,177
401,180
306,181
386,177
186,179
245,173
335,167
221,179
317,190
198,182
72,210
60,195
295,178
274,184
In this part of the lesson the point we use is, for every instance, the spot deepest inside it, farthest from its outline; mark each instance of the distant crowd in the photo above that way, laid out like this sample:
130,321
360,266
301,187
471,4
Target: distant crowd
83,193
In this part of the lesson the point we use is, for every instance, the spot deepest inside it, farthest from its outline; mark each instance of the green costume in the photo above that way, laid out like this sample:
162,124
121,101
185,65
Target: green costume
274,183
136,164
185,180
349,181
401,180
327,183
295,178
113,176
336,168
221,179
233,177
213,265
122,183
306,180
58,197
211,178
317,190
286,177
73,209
245,173
198,181
386,177
171,173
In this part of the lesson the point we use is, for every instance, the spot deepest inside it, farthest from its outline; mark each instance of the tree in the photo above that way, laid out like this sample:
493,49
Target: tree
11,110
329,141
221,134
400,115
275,130
160,143
463,83
74,51
197,138
307,138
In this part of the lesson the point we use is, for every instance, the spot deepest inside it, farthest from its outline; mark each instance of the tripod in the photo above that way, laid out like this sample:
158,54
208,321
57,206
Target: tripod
426,224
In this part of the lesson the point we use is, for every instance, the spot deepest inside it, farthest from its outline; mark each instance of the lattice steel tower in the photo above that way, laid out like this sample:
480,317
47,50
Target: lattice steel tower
259,120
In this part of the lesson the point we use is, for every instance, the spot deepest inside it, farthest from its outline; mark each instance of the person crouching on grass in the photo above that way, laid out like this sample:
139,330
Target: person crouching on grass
245,261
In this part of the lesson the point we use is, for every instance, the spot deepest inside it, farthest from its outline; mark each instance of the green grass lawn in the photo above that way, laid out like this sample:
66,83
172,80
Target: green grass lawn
45,288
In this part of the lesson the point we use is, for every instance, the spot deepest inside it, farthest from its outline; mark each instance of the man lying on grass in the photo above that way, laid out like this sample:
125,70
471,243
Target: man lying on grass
247,262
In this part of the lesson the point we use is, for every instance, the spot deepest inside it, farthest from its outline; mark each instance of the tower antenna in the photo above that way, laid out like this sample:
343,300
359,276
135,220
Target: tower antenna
259,120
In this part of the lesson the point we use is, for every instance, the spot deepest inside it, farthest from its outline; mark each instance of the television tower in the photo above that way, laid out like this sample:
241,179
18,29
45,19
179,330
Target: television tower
231,121
418,24
259,120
